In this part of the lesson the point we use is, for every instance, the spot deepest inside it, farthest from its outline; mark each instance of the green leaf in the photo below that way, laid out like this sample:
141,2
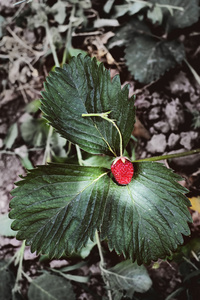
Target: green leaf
145,219
75,52
98,161
34,132
148,59
5,229
81,87
59,11
181,18
33,106
85,251
57,208
57,144
11,136
50,287
82,279
128,276
127,33
130,8
155,15
6,282
107,7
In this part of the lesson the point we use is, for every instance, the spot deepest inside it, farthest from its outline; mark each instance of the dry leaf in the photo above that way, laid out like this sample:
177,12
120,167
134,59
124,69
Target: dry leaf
195,201
140,131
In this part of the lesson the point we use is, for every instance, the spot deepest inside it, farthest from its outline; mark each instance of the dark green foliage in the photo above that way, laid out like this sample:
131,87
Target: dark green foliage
83,86
59,207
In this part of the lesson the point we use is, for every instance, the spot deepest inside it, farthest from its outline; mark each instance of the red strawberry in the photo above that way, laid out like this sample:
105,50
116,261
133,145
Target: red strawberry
122,170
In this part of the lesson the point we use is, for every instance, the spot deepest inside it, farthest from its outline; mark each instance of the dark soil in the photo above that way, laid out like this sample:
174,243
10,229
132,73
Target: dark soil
165,124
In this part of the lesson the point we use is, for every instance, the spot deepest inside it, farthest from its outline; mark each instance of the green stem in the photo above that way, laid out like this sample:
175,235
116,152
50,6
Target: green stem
99,248
170,6
105,117
27,276
79,155
69,148
159,5
48,148
53,50
69,35
102,264
22,1
191,263
18,261
196,76
55,57
168,156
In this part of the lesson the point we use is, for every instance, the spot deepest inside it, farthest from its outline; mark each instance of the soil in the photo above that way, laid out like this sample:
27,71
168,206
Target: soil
165,124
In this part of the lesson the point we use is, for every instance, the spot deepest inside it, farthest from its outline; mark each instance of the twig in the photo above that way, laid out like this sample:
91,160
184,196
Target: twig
21,42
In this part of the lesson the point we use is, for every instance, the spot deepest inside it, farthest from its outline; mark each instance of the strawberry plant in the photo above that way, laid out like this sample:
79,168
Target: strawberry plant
57,208
152,35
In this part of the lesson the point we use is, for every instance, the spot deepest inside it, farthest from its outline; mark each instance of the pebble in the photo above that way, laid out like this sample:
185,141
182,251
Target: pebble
154,113
188,139
3,128
173,140
174,114
162,126
156,99
157,143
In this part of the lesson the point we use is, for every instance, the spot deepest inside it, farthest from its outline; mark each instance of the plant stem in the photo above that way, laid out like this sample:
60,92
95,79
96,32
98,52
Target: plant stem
196,76
53,50
79,155
69,35
69,148
27,276
18,261
159,5
168,156
102,264
48,148
22,1
191,263
55,57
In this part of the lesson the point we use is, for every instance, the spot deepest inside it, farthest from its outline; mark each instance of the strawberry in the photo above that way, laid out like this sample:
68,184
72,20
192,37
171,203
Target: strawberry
122,170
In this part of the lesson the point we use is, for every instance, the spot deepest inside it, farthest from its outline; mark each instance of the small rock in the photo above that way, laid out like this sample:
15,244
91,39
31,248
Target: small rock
152,130
156,99
162,126
188,139
154,113
3,128
174,114
142,103
157,143
173,140
180,84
